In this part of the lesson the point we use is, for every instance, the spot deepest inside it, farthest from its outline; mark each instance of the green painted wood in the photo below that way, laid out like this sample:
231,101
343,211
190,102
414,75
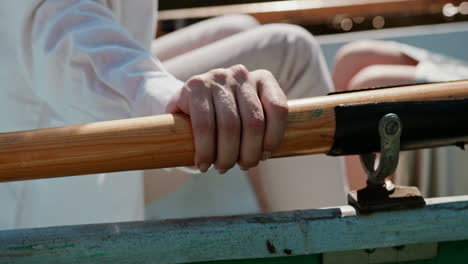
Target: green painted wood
237,237
449,252
307,259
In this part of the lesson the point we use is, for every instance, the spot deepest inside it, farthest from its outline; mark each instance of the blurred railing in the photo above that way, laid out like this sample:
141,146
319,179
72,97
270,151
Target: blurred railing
322,16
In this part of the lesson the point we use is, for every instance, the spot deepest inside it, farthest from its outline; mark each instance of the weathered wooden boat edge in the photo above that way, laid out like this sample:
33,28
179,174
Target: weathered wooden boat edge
237,237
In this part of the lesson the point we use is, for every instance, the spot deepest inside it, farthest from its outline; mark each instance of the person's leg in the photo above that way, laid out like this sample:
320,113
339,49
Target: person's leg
382,76
294,57
200,34
289,52
354,57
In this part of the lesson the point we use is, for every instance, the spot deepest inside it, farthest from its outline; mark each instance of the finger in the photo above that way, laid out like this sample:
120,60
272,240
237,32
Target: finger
253,121
275,106
201,113
228,124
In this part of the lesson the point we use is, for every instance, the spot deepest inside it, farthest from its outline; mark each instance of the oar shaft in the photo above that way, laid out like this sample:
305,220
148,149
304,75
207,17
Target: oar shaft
166,140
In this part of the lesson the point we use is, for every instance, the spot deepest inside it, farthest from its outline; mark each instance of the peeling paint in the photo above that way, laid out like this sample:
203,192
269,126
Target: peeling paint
39,247
270,247
235,237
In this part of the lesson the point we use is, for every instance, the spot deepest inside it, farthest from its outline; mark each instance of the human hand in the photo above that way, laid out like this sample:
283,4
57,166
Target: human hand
237,116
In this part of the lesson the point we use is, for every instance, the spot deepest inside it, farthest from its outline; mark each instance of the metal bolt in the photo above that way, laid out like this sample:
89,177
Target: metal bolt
391,127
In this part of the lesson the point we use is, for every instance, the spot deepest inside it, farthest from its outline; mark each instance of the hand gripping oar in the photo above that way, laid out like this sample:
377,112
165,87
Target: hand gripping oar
336,124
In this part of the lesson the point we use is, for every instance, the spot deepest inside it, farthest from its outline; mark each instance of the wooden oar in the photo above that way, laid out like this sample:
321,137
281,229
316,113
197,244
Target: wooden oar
166,140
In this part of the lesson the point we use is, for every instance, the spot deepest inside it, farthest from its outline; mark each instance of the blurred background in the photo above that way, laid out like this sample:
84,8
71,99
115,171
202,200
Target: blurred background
440,26
320,17
437,25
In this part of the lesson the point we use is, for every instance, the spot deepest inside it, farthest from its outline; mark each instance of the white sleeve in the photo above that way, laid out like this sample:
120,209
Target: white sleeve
80,60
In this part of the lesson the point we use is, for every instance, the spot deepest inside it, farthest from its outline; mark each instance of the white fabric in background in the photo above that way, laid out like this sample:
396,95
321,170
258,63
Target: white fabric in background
208,194
434,67
69,62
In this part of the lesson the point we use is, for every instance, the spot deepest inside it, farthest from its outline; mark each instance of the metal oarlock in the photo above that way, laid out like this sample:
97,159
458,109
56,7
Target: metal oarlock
380,193
390,131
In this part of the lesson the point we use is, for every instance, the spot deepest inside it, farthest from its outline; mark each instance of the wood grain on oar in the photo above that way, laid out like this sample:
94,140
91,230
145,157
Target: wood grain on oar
309,133
139,143
166,140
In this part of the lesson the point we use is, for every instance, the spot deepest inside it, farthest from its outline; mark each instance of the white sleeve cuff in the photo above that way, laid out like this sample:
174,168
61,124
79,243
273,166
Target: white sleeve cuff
156,92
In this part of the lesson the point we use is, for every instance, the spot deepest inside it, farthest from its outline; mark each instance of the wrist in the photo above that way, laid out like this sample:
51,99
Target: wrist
156,92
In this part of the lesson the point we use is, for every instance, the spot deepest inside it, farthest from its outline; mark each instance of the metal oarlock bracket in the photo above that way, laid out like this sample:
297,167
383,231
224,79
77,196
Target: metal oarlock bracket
390,131
380,193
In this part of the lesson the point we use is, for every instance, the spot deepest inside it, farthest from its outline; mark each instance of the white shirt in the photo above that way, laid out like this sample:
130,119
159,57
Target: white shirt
77,61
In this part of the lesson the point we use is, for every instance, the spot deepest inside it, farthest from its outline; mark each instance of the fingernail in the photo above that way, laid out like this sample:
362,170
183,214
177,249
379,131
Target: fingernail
221,171
204,167
243,168
266,155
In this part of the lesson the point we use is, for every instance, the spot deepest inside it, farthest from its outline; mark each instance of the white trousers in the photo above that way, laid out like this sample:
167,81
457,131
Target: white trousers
295,59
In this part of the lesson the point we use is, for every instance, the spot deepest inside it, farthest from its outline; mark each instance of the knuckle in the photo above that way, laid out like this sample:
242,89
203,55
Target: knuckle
219,73
196,81
256,123
239,68
240,72
264,73
280,107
